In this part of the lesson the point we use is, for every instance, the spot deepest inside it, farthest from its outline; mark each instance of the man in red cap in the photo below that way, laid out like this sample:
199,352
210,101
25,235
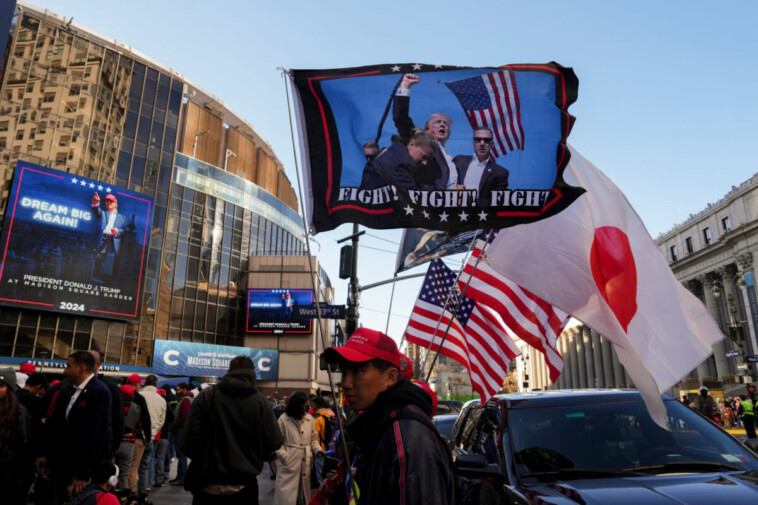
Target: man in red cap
28,368
406,367
144,436
399,456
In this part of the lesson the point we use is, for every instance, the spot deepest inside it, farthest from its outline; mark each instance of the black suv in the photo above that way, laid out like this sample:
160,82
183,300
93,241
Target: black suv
596,447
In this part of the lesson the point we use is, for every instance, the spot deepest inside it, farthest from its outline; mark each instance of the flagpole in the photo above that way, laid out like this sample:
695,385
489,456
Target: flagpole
287,74
387,110
389,311
439,321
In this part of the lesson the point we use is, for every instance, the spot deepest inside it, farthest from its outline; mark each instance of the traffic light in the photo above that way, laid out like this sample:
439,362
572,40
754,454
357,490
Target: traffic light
346,262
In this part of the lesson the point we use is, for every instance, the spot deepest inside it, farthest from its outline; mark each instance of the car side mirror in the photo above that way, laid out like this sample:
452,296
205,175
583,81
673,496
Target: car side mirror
475,466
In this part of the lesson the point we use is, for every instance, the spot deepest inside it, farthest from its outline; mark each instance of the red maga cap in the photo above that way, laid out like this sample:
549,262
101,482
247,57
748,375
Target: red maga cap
134,379
365,345
28,368
127,390
406,366
110,197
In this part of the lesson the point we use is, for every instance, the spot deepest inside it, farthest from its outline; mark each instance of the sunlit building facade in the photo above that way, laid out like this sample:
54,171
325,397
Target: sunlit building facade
76,101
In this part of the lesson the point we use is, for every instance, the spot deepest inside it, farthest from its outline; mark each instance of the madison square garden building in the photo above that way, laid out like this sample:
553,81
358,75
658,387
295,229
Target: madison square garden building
220,215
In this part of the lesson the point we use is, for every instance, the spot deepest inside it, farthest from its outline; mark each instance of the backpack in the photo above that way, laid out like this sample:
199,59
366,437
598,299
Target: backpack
329,426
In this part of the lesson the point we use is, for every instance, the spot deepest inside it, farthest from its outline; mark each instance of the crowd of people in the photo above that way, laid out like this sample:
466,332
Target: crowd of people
59,439
731,412
87,439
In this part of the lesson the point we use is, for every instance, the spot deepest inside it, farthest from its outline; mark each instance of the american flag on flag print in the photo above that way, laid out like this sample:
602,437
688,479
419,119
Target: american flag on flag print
477,338
492,100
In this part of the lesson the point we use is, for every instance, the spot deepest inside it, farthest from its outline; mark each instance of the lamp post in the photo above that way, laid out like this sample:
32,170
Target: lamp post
194,144
229,152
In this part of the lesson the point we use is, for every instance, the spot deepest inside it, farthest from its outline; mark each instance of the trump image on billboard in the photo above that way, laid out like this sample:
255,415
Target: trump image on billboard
74,245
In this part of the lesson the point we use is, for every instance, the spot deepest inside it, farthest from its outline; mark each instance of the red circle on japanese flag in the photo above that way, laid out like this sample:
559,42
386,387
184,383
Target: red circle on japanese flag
615,273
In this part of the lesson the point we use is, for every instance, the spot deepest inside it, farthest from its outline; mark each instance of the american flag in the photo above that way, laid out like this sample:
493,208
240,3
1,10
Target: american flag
525,315
477,339
492,100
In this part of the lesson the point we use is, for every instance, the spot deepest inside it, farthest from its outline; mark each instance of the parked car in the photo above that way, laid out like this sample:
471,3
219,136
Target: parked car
449,406
596,447
444,424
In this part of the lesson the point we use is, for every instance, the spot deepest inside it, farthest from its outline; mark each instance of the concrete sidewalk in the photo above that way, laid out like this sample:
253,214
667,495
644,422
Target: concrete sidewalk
176,495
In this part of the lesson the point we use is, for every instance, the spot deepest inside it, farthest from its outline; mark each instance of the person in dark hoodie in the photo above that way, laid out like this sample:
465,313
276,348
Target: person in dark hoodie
231,430
399,455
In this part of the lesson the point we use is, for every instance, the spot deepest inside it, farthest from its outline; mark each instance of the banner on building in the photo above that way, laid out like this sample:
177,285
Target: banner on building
276,310
433,146
171,357
74,245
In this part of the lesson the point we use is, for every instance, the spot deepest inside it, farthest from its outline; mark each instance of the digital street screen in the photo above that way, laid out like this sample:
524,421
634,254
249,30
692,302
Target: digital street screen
74,245
274,310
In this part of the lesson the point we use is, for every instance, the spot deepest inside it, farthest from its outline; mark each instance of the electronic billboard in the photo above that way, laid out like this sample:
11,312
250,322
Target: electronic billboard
74,245
273,310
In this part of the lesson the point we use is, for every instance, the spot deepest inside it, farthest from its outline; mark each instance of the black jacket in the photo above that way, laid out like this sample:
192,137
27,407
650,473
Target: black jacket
117,411
84,438
230,432
494,177
387,441
144,417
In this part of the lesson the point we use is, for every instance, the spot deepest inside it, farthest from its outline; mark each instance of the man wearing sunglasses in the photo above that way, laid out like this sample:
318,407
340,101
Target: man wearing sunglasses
479,171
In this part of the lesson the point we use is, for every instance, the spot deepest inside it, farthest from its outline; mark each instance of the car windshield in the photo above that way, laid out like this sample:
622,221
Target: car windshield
617,437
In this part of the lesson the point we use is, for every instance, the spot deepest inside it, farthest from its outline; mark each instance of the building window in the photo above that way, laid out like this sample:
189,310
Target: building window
688,243
707,235
674,256
726,223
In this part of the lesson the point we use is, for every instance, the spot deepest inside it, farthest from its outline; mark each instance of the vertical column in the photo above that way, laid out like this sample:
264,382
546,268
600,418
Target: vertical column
574,359
561,384
704,368
588,357
581,357
607,347
597,358
727,274
618,371
544,376
745,262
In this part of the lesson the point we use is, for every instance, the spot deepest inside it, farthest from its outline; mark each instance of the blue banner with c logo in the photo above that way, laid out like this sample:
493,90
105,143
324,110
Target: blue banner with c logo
171,357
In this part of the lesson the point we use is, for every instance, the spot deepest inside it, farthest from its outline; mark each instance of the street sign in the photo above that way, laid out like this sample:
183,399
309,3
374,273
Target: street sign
750,388
742,366
752,359
732,354
327,311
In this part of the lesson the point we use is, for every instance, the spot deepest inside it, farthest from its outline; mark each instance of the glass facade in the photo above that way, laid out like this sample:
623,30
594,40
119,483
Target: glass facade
72,104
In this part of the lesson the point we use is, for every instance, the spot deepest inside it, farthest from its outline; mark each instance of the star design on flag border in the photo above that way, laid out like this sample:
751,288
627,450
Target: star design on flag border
416,66
83,182
396,68
107,190
425,213
408,210
437,66
92,185
444,216
100,187
74,180
463,216
482,216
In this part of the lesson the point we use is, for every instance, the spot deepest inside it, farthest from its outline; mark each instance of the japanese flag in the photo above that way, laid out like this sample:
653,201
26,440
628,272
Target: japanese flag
596,261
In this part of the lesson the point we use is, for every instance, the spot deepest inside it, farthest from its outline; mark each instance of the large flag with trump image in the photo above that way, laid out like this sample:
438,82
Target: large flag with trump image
596,261
389,145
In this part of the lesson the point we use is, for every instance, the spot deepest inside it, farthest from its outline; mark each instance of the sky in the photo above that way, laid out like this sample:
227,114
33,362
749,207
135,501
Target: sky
666,104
